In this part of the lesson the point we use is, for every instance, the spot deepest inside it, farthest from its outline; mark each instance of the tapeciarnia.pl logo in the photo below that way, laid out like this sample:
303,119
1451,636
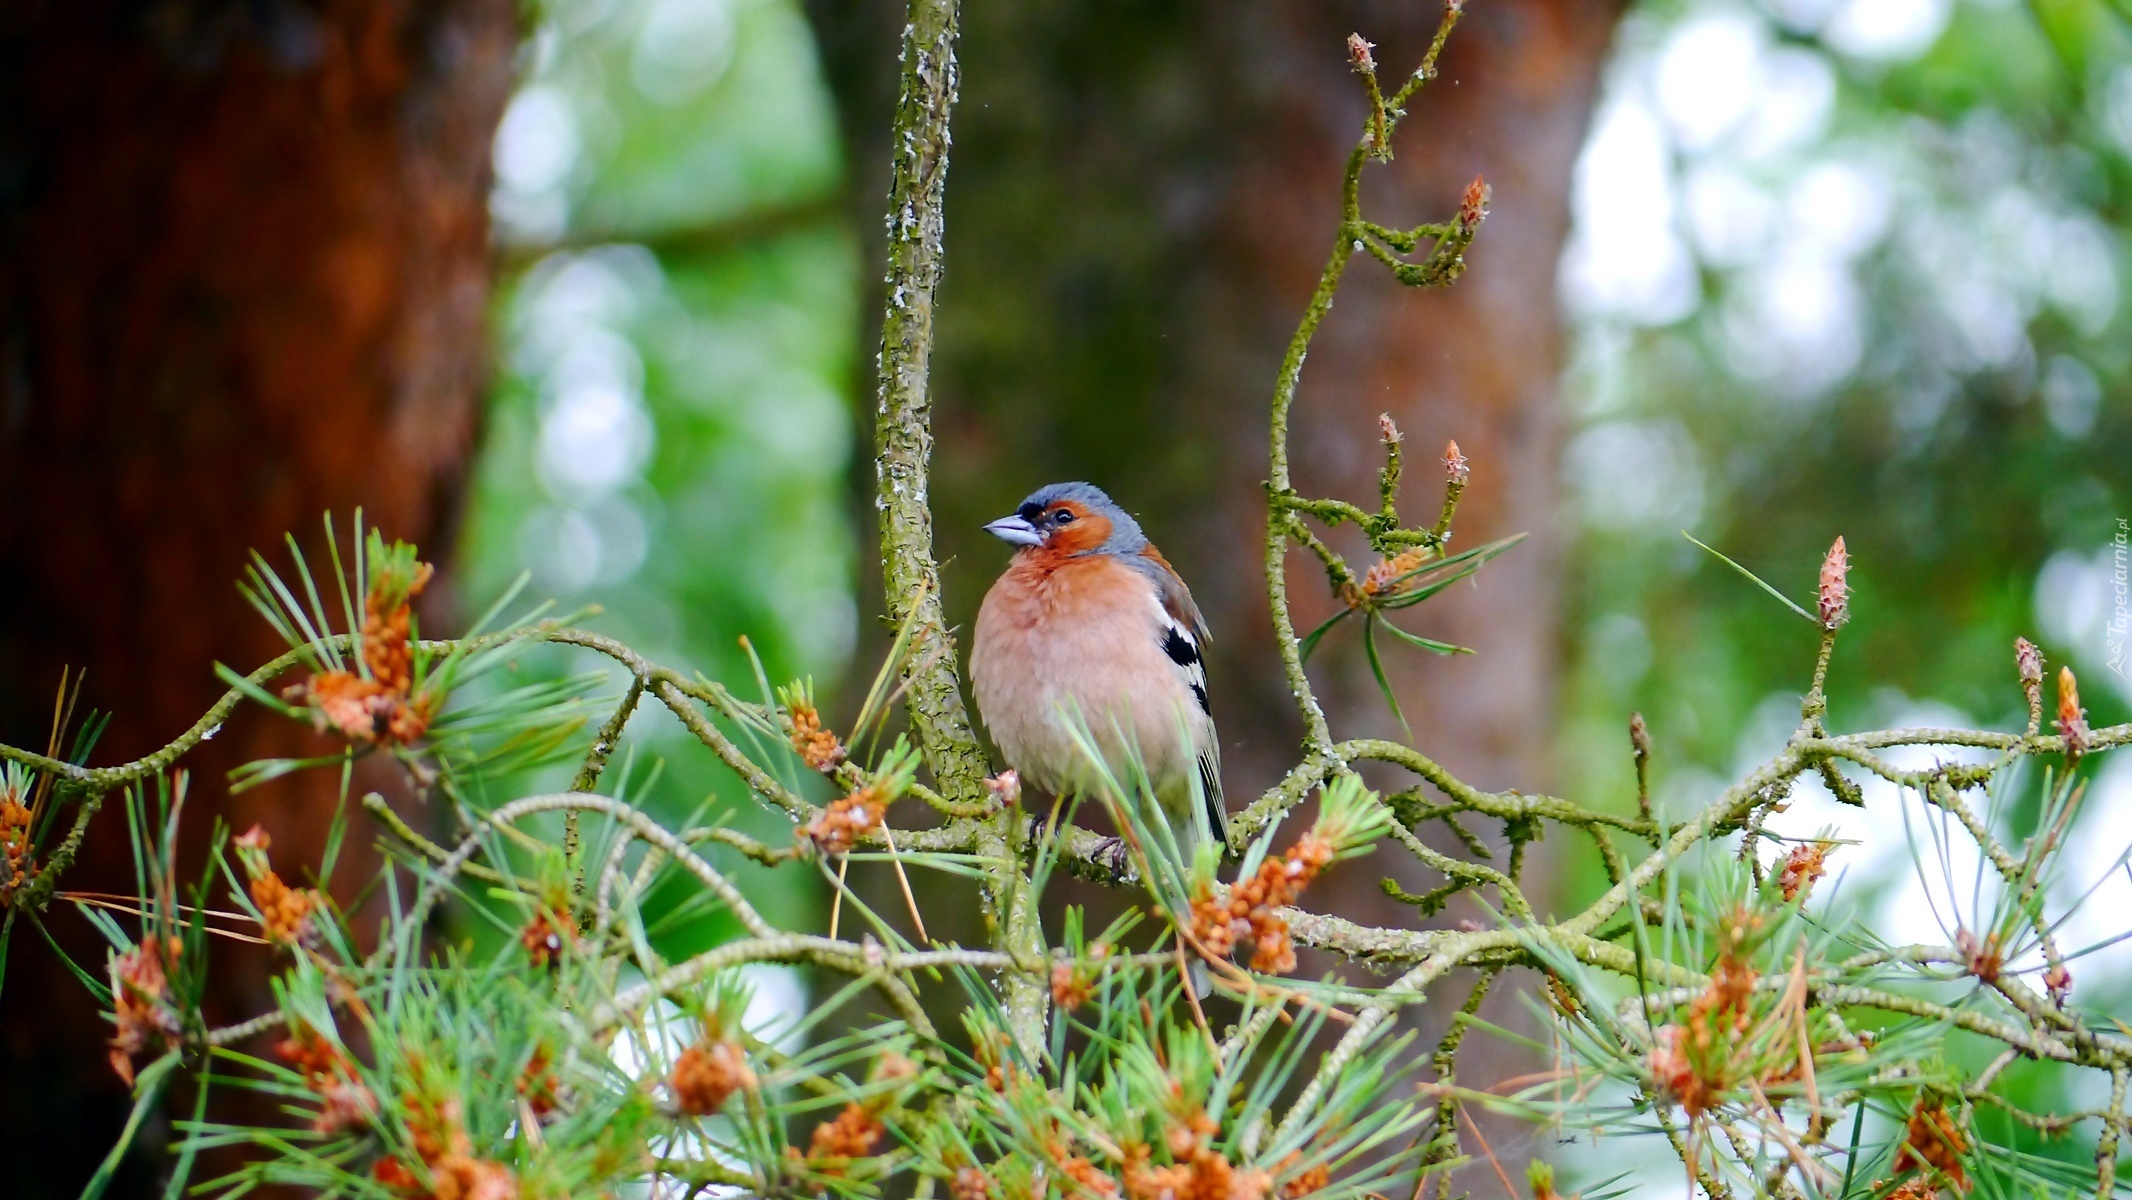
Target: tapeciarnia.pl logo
2120,609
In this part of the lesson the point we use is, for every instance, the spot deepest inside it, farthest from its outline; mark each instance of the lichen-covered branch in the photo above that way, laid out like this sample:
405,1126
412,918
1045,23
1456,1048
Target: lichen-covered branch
919,141
903,416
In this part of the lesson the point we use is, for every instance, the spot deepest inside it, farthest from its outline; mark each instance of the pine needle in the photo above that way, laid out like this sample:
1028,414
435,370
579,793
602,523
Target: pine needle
902,879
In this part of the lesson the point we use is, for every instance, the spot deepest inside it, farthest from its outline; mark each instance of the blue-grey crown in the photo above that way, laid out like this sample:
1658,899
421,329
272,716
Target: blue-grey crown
1125,535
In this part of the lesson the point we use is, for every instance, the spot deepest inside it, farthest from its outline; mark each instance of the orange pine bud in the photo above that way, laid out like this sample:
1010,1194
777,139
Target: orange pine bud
2072,719
143,1017
546,936
2028,663
1455,469
2059,983
18,866
1986,956
1931,1139
1358,53
851,1134
1802,867
1474,204
537,1083
816,745
345,1103
847,820
1835,586
1386,577
1305,1181
706,1076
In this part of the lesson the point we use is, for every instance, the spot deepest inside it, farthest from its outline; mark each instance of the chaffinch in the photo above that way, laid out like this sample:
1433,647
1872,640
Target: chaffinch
1090,616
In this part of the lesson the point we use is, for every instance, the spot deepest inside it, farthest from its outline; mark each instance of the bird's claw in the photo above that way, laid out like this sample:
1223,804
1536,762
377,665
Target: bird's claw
1111,852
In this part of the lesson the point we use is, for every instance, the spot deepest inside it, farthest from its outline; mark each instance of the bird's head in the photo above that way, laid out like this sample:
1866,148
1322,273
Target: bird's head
1070,518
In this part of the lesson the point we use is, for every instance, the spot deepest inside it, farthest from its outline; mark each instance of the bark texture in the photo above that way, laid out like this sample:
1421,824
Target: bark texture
244,276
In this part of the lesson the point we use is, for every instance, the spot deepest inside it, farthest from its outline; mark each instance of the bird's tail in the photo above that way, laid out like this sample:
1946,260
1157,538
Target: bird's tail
1210,823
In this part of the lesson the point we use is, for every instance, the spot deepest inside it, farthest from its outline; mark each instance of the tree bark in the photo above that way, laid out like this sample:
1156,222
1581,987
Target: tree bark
246,277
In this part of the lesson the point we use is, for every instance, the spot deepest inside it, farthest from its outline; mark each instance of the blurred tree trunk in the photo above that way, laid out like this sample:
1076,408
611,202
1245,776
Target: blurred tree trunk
244,275
1141,198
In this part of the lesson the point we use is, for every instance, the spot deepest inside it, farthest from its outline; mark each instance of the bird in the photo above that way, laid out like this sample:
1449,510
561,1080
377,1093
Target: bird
1089,618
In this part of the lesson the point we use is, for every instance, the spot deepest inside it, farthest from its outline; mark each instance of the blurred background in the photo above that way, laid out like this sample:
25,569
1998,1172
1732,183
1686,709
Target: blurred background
586,288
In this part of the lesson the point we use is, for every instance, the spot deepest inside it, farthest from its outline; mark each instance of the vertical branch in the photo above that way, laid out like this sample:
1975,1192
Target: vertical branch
2106,1145
1317,733
903,440
1352,237
1444,1147
588,777
903,429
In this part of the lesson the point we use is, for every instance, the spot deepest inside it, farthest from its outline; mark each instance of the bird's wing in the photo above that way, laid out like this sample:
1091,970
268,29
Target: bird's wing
1184,640
1210,786
1183,630
1176,597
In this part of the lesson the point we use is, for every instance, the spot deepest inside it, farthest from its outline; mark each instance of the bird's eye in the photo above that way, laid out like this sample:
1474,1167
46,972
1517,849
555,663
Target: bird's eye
1063,516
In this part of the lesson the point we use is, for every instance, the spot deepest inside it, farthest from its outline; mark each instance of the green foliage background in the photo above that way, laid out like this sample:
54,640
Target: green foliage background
2001,159
672,431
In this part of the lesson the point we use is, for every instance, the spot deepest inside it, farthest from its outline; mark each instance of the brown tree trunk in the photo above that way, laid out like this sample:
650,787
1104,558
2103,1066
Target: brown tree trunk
245,281
1478,362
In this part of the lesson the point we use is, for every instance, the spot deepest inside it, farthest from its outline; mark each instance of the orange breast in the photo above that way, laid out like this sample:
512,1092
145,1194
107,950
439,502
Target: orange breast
1057,636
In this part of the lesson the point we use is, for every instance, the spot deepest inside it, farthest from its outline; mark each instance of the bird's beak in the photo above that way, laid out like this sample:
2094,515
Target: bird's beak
1016,531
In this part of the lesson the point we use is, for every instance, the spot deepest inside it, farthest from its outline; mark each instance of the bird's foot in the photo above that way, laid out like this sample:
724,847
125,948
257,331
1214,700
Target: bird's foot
1112,852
